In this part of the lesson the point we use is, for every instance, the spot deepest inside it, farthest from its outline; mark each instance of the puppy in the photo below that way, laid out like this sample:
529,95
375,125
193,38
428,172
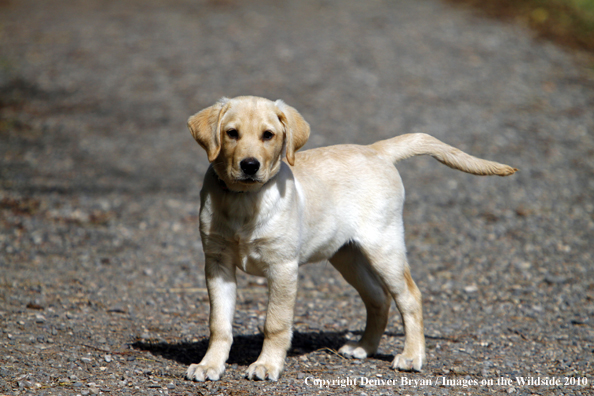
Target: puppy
267,217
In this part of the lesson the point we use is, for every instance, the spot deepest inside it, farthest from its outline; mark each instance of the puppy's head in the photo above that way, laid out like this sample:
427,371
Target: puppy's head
245,137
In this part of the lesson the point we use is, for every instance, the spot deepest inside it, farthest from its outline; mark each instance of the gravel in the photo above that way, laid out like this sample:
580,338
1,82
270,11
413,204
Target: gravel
101,269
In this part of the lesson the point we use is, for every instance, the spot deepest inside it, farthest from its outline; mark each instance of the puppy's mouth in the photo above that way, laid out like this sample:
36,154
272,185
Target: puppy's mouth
248,180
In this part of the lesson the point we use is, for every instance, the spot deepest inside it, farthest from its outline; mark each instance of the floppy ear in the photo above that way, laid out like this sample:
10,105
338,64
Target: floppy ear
296,129
205,128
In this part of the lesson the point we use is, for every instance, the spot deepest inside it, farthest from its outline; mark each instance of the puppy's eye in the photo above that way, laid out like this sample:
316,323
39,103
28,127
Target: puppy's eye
233,134
267,135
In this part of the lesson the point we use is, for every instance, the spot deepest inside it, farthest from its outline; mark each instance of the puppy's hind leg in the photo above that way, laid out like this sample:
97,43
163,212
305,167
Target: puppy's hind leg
390,264
355,269
409,304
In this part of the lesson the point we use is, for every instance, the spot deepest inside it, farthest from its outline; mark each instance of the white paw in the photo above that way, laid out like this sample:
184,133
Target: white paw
203,372
353,350
408,363
263,371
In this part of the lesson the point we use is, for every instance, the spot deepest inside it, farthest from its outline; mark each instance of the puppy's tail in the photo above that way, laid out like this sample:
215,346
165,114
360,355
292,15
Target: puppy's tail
412,144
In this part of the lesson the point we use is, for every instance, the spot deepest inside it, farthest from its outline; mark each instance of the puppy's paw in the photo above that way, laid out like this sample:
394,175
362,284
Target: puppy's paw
203,372
264,371
408,363
354,350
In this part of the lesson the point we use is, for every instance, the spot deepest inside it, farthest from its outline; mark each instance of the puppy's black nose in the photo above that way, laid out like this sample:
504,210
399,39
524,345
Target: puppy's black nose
250,166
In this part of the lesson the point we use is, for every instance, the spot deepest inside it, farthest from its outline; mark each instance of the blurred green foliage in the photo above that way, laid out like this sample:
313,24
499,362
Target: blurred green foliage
568,22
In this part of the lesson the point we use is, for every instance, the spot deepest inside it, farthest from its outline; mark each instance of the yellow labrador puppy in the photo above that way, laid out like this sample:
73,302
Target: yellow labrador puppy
267,217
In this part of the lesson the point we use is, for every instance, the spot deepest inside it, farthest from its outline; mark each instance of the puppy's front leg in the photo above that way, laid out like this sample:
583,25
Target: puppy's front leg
221,284
278,330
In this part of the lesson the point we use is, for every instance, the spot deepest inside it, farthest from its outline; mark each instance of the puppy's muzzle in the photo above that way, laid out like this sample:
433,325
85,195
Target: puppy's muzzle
250,166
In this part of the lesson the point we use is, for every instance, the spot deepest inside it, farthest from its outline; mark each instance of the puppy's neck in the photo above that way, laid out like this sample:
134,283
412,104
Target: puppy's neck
223,185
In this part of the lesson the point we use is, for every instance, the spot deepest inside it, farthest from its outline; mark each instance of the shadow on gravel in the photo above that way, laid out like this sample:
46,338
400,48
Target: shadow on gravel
246,348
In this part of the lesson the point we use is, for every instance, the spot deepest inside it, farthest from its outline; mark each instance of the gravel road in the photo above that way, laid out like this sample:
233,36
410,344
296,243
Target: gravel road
101,269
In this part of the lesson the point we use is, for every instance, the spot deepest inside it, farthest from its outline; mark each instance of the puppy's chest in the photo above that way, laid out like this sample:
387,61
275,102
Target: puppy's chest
246,242
252,254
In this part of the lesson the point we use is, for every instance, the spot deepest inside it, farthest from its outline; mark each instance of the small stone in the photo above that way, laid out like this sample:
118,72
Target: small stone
34,305
523,265
86,360
552,279
108,358
300,376
171,385
40,318
37,239
24,384
471,289
117,309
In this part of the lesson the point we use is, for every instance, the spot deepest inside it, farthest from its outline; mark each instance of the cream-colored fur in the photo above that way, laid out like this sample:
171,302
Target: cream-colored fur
340,203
